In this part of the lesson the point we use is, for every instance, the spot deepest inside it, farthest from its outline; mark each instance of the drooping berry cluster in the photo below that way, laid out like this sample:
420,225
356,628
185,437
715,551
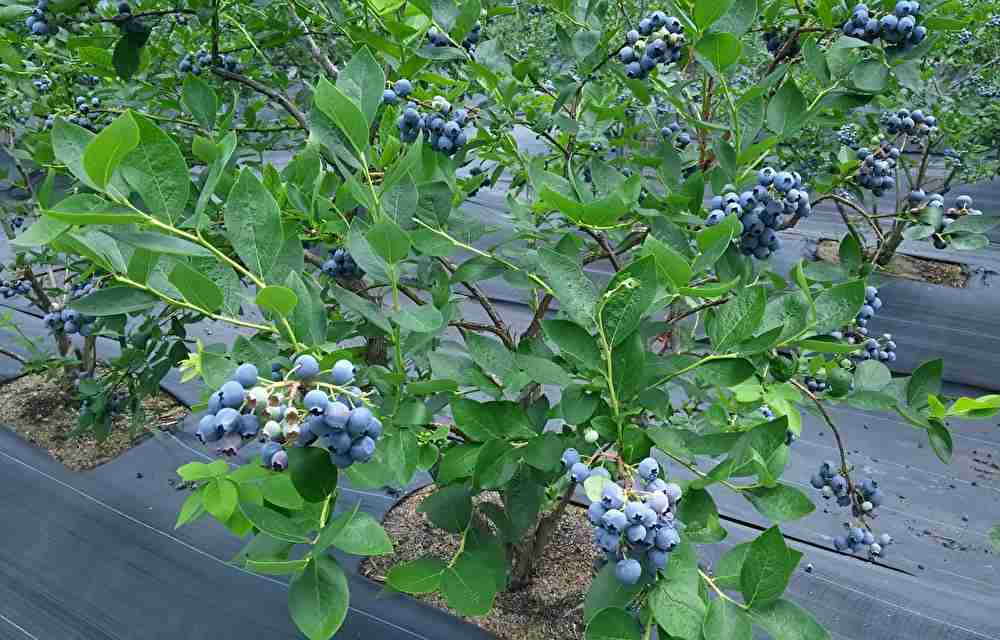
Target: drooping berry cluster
682,139
641,56
80,289
349,428
442,127
898,29
911,123
342,266
9,289
69,322
871,306
877,171
775,42
472,39
848,134
815,384
920,200
37,22
866,498
762,210
42,84
197,62
635,528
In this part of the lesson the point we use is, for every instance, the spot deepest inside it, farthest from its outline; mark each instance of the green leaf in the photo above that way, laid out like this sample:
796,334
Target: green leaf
344,113
318,598
786,110
161,243
871,375
457,462
201,100
220,498
195,287
730,565
850,253
390,242
194,471
738,19
69,141
273,523
496,464
309,318
280,490
359,534
157,171
698,511
738,319
112,301
706,13
613,624
783,620
363,80
314,475
127,55
940,439
726,373
276,567
968,241
601,213
574,343
577,295
449,508
780,503
88,208
767,568
253,224
995,537
674,269
464,588
483,421
191,510
926,380
226,149
108,148
606,591
972,224
364,308
713,242
41,232
627,299
838,305
277,300
493,357
719,48
727,621
677,606
871,76
422,319
417,577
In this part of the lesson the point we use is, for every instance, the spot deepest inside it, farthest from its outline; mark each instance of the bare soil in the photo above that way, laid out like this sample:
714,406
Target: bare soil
950,274
44,412
551,607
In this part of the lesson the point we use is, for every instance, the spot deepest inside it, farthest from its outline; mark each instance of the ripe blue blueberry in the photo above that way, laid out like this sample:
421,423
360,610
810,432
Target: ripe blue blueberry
402,87
246,375
208,429
658,558
389,97
339,442
628,571
336,415
358,421
249,425
569,458
316,402
306,367
232,394
268,451
279,461
343,372
613,496
658,502
635,533
667,539
614,521
579,472
595,512
363,449
649,469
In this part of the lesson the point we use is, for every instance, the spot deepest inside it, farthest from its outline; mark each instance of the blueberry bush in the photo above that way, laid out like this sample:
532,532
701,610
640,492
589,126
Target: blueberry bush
298,172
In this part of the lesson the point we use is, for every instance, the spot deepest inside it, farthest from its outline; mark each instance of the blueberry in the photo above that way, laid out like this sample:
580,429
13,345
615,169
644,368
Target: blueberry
340,442
628,571
249,425
595,512
306,367
279,461
389,97
268,451
343,372
649,469
612,497
402,87
232,394
358,421
658,502
208,430
614,521
667,538
363,449
374,429
246,375
316,401
569,458
658,558
336,415
579,472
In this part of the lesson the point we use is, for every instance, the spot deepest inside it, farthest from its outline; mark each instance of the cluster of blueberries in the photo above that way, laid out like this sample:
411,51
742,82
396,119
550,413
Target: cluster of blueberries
37,22
400,89
683,138
877,171
17,222
898,28
871,306
69,321
761,210
442,128
342,266
963,207
42,84
833,484
848,135
235,411
816,385
632,530
440,39
80,289
775,42
11,289
196,63
640,57
911,123
478,171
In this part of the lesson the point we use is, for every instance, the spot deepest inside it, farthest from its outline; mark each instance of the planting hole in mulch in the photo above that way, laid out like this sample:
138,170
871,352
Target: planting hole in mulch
551,607
950,274
44,412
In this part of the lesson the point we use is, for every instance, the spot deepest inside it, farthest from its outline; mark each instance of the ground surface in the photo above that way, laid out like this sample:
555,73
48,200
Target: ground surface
43,411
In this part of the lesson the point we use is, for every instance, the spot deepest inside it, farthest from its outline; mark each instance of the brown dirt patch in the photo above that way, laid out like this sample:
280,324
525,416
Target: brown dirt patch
44,412
950,274
551,607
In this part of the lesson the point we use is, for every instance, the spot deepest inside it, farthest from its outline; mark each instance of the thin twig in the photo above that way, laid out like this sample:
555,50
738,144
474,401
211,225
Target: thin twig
487,306
321,58
267,91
